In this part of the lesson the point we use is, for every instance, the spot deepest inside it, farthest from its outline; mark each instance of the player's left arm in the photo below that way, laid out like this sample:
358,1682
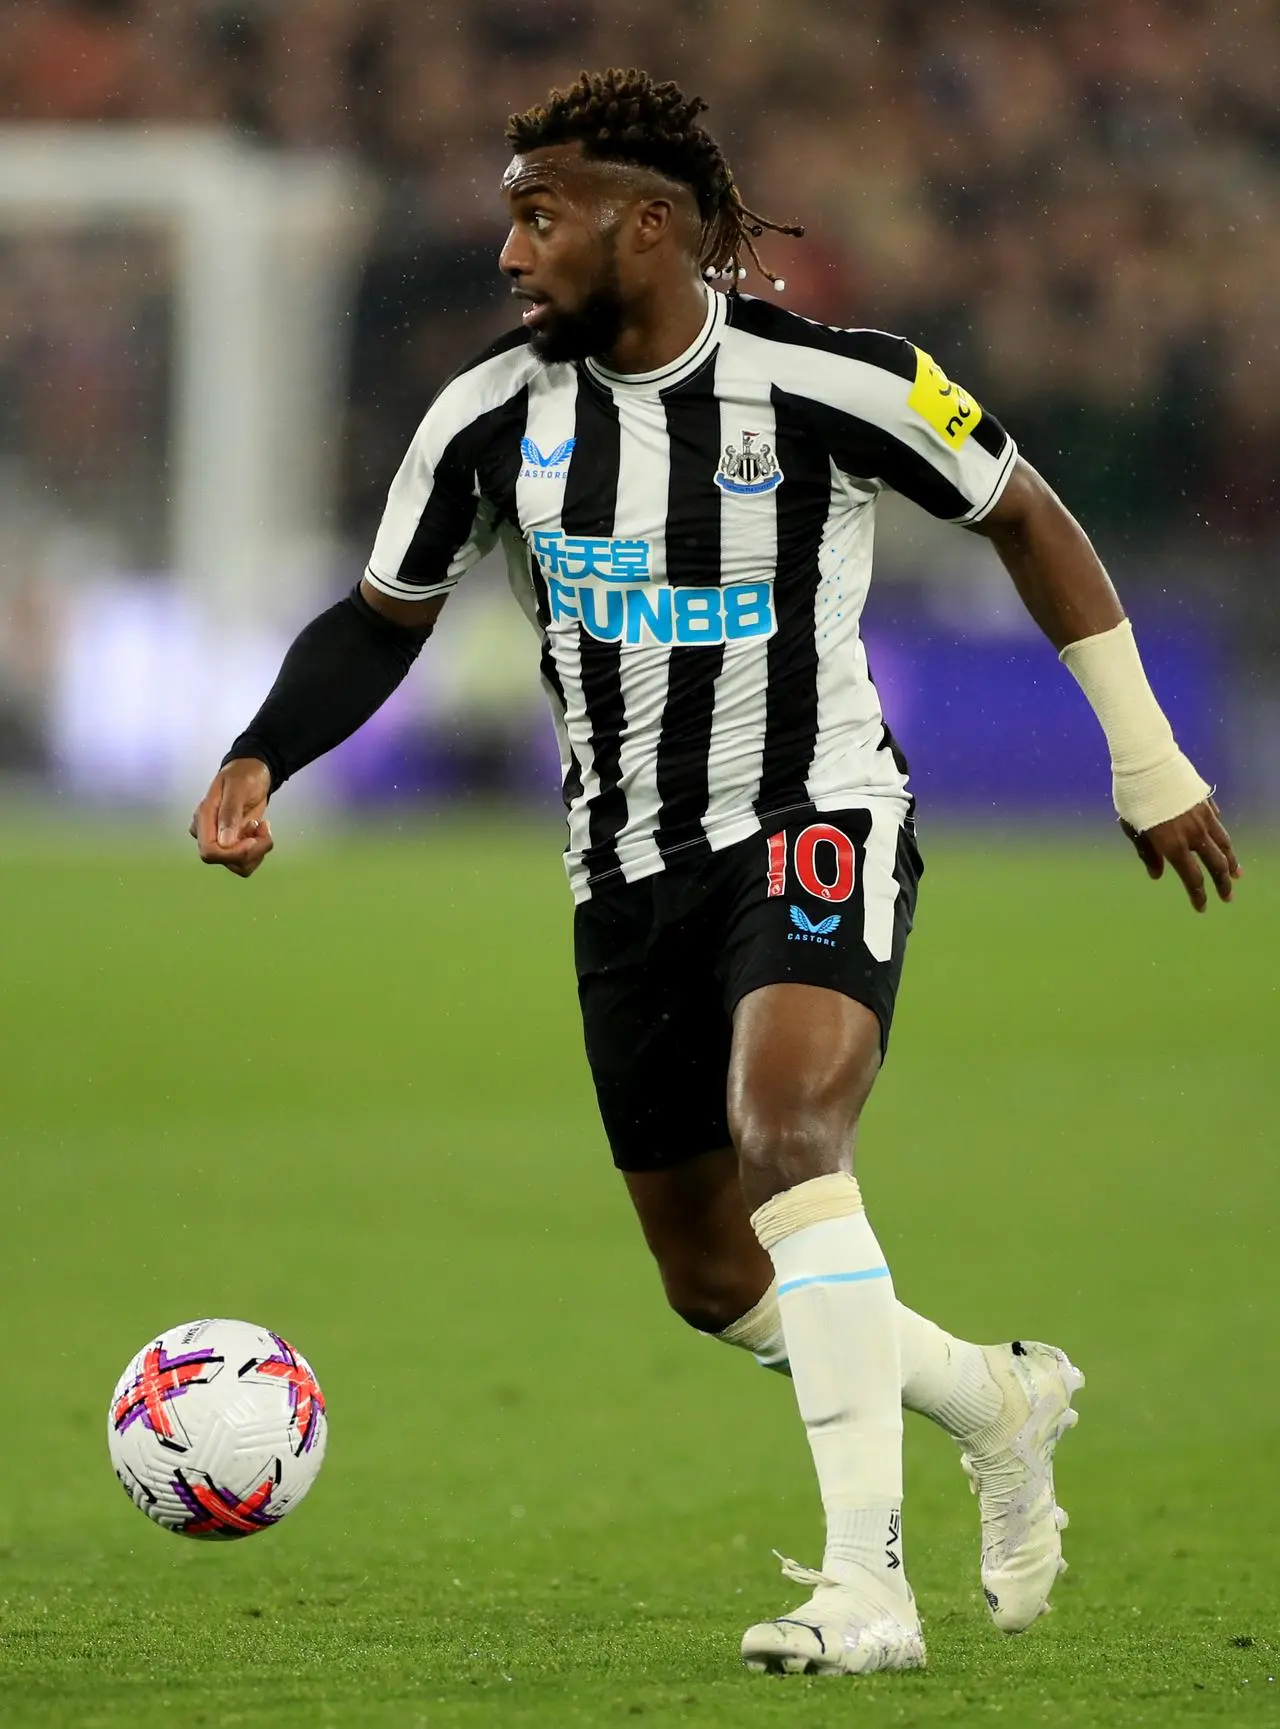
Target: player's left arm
1163,804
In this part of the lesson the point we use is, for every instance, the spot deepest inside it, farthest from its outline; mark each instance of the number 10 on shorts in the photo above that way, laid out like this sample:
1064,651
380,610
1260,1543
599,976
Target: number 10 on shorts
823,859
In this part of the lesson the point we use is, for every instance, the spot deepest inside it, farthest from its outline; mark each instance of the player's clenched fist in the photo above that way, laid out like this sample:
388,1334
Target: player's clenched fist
230,823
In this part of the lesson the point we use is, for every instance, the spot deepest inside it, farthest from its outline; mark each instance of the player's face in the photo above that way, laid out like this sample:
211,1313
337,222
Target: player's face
562,256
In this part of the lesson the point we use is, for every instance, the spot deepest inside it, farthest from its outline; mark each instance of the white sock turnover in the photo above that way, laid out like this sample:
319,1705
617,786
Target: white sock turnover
760,1332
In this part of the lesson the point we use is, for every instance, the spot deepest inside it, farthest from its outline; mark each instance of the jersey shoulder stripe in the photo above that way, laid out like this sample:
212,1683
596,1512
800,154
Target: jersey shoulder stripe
777,324
865,450
468,496
903,417
878,348
463,407
455,480
507,343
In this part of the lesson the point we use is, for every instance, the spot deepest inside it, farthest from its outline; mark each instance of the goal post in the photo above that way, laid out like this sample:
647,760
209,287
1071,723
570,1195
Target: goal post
176,303
264,248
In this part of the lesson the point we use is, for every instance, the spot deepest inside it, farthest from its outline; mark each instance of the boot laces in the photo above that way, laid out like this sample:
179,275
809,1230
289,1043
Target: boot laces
802,1575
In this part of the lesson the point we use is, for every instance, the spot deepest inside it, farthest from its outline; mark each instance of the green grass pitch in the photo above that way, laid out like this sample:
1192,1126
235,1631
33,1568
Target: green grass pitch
347,1099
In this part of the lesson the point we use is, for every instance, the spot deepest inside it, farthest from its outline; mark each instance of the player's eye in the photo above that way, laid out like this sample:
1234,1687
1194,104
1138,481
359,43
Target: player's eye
540,221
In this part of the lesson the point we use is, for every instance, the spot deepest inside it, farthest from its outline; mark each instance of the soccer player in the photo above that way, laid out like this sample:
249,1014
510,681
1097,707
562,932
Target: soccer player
684,484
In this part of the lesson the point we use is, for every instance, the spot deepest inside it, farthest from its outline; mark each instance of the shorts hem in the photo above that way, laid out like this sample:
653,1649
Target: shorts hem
640,1164
849,989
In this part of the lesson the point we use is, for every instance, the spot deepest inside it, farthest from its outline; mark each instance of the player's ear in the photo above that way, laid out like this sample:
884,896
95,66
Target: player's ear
653,222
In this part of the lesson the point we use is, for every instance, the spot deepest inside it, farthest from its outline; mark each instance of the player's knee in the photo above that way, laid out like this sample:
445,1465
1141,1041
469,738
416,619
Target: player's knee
707,1296
702,1315
778,1148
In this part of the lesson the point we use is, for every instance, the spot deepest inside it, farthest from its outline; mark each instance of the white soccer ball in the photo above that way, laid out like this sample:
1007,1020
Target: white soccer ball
217,1429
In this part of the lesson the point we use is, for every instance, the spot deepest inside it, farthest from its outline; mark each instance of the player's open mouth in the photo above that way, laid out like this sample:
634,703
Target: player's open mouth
534,312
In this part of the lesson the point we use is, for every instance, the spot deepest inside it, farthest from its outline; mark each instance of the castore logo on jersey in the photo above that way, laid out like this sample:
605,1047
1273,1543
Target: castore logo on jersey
540,467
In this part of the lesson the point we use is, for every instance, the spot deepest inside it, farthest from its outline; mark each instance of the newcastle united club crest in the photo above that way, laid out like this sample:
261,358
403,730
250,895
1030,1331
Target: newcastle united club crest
752,469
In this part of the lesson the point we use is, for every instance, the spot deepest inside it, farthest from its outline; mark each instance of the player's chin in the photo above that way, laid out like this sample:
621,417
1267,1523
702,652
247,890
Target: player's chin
559,336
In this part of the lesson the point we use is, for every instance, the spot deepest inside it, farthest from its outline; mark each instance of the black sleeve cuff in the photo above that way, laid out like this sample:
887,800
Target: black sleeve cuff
250,745
340,669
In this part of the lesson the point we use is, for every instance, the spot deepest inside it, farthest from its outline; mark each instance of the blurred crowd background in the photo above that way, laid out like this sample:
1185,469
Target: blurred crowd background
1072,204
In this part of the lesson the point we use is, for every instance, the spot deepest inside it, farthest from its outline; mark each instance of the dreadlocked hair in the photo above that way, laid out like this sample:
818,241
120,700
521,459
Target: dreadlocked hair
622,116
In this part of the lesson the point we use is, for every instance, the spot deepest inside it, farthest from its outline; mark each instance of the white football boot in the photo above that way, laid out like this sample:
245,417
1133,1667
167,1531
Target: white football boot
1010,1469
841,1630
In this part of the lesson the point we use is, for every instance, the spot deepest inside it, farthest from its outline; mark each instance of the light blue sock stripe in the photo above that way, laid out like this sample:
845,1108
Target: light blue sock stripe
834,1279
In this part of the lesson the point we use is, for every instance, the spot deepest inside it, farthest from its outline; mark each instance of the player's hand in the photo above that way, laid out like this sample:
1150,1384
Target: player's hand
1184,842
230,823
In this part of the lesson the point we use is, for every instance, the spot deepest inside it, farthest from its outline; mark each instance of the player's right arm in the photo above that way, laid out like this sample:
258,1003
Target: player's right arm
345,664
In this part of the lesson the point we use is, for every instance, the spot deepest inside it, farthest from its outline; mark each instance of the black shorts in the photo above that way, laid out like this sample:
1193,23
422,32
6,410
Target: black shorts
663,963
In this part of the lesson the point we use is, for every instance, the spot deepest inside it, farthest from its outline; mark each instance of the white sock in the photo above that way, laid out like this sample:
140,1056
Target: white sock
760,1332
943,1378
839,1324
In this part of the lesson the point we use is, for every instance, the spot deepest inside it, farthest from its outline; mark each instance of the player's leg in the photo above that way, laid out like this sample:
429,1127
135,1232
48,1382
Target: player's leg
865,866
803,1062
714,1273
845,930
660,1044
1005,1405
718,1279
657,1036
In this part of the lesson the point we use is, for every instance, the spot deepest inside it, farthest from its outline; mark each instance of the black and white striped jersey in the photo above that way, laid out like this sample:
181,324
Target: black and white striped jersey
693,546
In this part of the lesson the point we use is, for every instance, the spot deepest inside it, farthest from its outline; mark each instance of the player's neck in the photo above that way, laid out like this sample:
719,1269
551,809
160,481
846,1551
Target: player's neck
660,330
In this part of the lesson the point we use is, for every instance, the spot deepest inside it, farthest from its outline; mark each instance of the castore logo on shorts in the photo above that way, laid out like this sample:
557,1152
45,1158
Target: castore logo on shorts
807,931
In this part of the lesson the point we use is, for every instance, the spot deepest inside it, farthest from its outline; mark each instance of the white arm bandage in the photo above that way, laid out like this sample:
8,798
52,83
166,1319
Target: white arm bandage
1151,780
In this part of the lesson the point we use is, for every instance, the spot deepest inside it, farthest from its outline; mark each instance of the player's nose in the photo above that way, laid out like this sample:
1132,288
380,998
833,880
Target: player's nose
515,259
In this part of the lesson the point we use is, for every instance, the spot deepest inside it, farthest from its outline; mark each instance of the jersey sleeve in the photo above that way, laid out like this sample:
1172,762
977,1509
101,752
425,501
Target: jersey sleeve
965,448
892,418
437,523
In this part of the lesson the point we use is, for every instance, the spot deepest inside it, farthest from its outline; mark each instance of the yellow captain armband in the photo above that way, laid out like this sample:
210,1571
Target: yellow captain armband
949,410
